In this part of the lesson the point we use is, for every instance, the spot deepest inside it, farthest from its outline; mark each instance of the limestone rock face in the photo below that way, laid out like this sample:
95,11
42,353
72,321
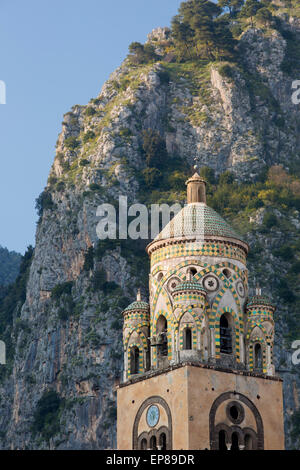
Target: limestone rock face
71,340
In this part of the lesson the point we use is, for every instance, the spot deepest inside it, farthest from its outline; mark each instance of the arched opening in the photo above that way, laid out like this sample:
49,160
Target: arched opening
162,338
234,441
248,442
134,360
160,276
153,445
227,273
222,440
187,339
143,444
191,272
163,441
225,336
257,357
234,413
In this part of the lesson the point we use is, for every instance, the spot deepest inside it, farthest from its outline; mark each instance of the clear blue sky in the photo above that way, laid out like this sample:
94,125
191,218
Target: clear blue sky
54,54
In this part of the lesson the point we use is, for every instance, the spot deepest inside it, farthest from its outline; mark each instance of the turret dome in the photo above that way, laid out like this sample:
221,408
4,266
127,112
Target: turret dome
192,286
138,304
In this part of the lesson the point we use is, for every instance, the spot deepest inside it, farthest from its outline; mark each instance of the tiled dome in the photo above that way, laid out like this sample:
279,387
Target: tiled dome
197,220
259,300
137,305
189,286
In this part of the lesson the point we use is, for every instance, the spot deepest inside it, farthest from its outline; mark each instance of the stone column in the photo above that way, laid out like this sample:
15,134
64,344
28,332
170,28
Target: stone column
212,343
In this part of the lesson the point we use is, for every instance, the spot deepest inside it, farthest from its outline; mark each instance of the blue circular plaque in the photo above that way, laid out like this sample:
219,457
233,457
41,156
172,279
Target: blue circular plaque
152,416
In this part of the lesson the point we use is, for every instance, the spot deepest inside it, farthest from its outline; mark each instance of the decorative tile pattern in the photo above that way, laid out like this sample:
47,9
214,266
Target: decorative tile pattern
197,219
194,336
189,286
188,249
139,331
251,353
137,305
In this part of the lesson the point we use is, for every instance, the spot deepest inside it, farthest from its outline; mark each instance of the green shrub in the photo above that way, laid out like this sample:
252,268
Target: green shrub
83,162
208,174
89,259
99,279
44,202
155,149
60,186
142,54
226,178
285,252
164,77
71,142
60,289
90,111
269,220
47,414
105,245
226,71
109,287
88,136
94,187
63,314
151,177
295,268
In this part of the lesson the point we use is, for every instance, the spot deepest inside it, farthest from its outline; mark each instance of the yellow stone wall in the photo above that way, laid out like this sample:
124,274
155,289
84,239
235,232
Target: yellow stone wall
190,392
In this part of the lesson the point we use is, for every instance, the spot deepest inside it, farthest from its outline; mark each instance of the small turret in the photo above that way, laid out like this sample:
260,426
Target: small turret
196,189
260,333
135,337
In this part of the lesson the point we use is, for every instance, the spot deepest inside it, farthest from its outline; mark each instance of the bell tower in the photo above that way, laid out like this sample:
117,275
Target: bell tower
198,359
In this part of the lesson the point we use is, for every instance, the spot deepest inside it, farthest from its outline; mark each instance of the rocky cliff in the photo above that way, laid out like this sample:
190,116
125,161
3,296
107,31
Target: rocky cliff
9,266
235,118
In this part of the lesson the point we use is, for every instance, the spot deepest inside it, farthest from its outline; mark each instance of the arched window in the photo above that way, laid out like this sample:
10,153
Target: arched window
192,272
134,360
153,445
227,273
257,357
225,336
163,441
248,442
160,276
234,441
162,340
143,444
222,440
187,339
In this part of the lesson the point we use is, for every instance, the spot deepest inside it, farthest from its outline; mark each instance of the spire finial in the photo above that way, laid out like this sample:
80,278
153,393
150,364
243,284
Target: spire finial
258,290
196,188
138,295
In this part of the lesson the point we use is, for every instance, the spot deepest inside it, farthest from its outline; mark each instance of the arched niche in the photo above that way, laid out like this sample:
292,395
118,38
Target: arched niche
163,434
241,402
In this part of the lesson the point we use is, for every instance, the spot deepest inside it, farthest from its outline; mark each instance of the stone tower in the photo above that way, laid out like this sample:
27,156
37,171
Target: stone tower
198,359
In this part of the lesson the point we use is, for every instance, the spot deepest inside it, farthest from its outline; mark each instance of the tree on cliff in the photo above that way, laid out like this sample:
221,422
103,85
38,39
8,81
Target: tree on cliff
234,6
250,9
197,30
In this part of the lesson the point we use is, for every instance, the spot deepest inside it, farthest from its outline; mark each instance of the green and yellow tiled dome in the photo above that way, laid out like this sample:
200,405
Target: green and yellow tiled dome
189,286
197,220
259,300
137,306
